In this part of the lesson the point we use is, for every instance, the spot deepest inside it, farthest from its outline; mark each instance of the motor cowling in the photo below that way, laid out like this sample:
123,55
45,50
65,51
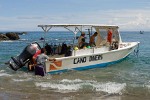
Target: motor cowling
18,62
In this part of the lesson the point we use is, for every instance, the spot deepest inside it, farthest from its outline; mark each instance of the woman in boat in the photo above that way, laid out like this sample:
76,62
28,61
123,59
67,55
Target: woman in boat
92,39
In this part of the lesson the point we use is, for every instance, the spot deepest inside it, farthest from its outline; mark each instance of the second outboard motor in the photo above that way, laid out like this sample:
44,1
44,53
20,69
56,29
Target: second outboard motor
17,62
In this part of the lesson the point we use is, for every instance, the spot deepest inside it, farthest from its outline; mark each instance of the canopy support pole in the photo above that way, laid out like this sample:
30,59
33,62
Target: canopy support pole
75,32
45,29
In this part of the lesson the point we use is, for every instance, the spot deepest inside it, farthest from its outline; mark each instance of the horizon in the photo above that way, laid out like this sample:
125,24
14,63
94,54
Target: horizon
23,15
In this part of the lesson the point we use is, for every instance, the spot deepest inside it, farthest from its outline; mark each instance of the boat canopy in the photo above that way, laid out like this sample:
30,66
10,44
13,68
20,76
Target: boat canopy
73,25
75,28
47,27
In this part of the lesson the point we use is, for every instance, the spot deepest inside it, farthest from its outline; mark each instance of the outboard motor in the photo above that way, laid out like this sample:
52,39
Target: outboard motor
17,62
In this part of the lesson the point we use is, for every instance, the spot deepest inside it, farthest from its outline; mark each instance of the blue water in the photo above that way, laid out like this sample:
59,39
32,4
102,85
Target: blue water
126,80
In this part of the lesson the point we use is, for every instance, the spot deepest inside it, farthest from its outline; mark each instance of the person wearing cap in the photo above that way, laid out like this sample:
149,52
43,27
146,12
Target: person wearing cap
80,39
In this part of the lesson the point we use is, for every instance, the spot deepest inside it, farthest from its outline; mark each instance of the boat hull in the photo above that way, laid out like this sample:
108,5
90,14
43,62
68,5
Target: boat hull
95,60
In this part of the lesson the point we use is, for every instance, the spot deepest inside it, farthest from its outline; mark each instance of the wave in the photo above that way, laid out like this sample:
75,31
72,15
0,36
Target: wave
66,85
15,40
21,80
23,39
5,74
2,73
8,41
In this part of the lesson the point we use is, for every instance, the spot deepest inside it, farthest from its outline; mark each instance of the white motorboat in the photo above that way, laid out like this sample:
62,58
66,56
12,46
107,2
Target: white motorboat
109,48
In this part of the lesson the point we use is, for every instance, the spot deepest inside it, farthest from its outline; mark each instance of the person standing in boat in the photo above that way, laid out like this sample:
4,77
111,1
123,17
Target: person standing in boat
80,39
92,39
109,36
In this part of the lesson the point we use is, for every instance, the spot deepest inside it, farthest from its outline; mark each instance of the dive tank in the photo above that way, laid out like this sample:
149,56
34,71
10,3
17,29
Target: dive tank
17,62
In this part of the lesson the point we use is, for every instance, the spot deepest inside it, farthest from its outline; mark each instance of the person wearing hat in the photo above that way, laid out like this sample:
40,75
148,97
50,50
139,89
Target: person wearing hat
80,39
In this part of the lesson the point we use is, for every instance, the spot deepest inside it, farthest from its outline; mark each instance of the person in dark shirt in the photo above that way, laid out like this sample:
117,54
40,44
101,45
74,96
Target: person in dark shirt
83,43
80,39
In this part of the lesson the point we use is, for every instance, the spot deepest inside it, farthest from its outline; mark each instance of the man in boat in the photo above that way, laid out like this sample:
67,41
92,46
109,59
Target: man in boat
92,39
83,44
80,39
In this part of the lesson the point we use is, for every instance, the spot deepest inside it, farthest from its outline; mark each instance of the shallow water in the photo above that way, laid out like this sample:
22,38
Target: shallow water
126,80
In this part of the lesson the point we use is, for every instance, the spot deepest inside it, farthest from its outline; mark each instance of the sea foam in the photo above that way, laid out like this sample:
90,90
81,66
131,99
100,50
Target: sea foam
8,41
21,80
2,73
78,84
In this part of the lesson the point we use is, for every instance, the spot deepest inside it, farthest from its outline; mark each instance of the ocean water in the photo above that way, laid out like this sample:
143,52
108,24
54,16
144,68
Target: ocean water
126,80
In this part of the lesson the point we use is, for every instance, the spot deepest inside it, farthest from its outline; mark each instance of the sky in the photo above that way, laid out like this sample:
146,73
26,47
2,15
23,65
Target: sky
25,15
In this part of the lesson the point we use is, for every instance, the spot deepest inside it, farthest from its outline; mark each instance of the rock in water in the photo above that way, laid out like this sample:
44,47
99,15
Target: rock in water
12,36
3,37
